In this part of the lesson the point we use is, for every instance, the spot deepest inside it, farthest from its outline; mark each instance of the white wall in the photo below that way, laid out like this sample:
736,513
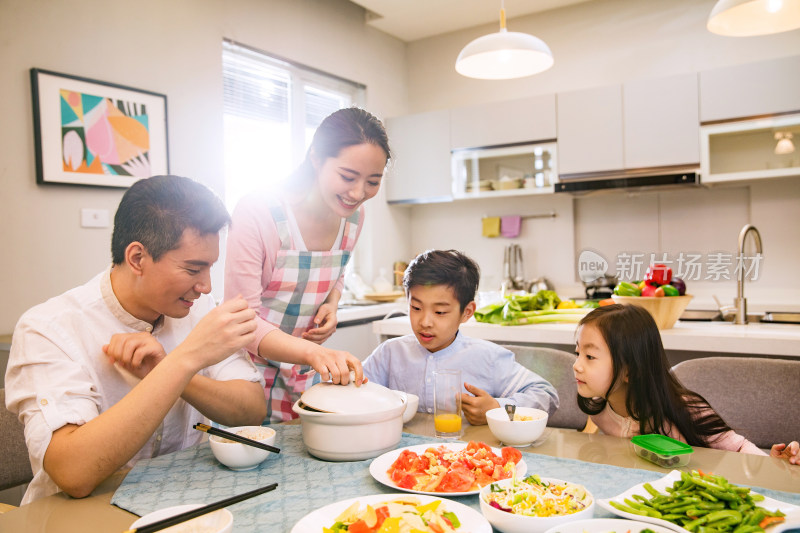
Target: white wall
173,48
599,43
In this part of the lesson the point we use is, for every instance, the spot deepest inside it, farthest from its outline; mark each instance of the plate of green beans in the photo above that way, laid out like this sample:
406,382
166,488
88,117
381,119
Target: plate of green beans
697,502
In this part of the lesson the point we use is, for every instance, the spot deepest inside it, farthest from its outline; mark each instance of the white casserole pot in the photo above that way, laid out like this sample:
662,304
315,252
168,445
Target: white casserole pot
367,420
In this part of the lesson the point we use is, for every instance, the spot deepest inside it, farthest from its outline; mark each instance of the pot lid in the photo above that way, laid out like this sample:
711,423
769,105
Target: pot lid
349,399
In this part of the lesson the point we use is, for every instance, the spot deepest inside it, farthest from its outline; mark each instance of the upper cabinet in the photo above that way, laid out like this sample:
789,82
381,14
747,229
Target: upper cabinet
420,171
590,131
508,122
661,125
754,89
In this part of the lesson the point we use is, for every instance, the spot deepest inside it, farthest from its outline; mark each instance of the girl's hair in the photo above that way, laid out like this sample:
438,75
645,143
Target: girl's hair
655,398
346,127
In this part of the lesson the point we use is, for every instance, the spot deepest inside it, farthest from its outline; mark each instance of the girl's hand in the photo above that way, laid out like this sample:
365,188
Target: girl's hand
138,353
475,407
789,453
325,324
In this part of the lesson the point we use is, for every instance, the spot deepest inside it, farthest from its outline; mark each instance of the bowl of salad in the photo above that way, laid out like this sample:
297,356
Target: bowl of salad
534,504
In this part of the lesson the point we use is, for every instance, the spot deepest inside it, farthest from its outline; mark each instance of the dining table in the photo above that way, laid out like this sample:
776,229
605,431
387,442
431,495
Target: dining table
605,464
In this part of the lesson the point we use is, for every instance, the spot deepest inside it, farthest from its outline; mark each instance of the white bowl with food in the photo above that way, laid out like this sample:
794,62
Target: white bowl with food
349,423
541,503
219,521
527,426
239,456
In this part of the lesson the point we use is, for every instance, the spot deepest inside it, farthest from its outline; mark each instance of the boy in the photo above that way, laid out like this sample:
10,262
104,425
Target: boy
440,286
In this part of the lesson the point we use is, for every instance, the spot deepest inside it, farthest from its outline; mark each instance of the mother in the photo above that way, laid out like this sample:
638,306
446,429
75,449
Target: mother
287,250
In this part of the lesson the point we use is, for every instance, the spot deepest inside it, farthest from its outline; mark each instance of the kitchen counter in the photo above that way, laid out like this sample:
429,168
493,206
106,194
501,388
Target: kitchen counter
362,311
717,337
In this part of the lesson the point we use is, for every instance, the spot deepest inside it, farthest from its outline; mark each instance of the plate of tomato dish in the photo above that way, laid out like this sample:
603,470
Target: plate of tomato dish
453,469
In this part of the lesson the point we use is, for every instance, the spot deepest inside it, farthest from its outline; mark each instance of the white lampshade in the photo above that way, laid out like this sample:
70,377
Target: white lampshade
785,144
504,55
744,18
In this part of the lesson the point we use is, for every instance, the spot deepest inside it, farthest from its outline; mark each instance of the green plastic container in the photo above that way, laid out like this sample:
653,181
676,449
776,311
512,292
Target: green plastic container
664,451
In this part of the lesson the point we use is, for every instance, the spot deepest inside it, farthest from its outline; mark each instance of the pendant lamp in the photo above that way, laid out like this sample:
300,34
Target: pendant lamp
785,144
504,55
744,18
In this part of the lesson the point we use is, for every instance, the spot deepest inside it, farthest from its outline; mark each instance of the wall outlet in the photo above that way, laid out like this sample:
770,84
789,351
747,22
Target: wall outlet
94,218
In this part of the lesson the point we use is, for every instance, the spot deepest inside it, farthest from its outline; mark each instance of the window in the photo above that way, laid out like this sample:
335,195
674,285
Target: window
272,108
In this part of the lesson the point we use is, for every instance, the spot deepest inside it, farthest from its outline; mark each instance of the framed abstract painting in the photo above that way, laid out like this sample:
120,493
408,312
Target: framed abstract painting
89,132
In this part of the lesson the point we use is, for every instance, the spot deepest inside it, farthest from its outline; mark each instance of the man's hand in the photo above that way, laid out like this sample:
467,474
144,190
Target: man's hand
138,353
224,330
325,323
790,452
476,405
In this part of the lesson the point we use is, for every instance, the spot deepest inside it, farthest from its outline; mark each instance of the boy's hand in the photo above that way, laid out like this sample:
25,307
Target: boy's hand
475,407
789,453
138,353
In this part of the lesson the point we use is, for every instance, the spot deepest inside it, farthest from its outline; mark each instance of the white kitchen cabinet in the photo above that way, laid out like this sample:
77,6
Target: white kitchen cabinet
762,88
661,122
509,122
590,131
420,171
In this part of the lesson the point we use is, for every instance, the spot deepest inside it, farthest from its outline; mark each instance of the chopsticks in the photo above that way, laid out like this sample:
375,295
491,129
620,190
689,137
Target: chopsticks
194,513
233,436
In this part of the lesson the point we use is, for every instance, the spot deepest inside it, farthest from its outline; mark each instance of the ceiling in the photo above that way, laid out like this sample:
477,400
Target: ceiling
410,20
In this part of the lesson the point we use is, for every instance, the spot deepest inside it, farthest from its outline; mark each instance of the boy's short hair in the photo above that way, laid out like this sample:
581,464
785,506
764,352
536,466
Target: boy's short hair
156,211
445,267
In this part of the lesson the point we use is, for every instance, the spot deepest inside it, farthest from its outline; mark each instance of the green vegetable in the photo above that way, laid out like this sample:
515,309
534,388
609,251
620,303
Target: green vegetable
546,300
453,519
529,309
624,288
669,290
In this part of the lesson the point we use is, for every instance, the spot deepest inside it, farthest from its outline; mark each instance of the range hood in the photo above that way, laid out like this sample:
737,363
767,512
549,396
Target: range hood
661,178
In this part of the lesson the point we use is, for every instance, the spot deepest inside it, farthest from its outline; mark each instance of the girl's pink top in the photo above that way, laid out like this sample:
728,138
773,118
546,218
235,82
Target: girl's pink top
611,423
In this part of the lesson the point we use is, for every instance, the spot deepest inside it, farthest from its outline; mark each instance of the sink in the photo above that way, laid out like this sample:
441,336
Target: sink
713,315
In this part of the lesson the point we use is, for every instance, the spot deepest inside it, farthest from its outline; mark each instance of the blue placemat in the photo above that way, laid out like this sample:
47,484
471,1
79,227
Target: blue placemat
305,483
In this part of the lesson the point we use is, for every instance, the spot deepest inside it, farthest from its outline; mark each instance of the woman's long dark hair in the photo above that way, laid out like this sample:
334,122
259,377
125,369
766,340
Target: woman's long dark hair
349,126
655,399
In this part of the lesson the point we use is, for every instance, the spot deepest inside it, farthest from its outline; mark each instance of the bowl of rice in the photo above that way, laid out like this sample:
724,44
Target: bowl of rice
238,456
534,504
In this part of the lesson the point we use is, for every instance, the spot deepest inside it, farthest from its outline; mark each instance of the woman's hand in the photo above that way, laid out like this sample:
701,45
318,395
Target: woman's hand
138,353
335,365
476,405
789,453
325,323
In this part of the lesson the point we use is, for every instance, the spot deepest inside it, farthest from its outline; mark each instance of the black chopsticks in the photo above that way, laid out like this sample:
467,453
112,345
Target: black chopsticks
233,436
194,513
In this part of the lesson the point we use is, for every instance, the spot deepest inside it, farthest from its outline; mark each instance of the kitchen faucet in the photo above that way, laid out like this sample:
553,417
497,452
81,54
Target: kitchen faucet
741,302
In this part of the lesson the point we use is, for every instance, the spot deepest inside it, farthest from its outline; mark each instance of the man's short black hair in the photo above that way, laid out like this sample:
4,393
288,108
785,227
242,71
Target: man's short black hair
445,267
156,211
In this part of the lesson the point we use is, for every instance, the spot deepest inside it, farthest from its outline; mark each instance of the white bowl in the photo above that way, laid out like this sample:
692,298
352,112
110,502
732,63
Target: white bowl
238,456
412,404
518,432
219,521
351,437
513,523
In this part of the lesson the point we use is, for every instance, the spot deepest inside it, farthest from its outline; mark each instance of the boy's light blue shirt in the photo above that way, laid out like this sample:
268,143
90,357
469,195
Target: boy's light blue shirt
403,364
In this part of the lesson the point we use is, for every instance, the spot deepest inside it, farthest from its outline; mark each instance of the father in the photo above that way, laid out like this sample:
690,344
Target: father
119,369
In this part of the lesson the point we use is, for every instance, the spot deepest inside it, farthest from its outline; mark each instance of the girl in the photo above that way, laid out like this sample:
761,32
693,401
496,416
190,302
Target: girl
287,250
625,385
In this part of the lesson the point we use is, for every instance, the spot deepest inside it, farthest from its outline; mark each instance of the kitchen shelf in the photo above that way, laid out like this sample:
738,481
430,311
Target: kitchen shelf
512,170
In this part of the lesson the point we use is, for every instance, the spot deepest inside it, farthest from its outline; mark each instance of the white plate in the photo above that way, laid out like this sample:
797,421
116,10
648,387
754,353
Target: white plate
381,464
471,520
220,520
606,525
661,485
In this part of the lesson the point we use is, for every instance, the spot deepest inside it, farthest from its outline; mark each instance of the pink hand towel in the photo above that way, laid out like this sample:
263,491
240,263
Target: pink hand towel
510,226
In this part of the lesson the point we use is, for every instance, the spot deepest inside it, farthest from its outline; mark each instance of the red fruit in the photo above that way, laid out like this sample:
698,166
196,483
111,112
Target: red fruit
650,290
658,274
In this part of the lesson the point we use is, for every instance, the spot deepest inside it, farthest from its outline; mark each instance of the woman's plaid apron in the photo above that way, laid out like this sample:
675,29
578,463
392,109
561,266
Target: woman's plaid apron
301,280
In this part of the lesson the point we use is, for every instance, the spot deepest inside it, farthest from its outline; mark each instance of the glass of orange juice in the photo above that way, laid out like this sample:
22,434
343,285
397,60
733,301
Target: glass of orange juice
447,403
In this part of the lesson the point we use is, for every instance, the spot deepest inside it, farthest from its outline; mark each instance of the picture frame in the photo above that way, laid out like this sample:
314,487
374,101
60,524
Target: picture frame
95,133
